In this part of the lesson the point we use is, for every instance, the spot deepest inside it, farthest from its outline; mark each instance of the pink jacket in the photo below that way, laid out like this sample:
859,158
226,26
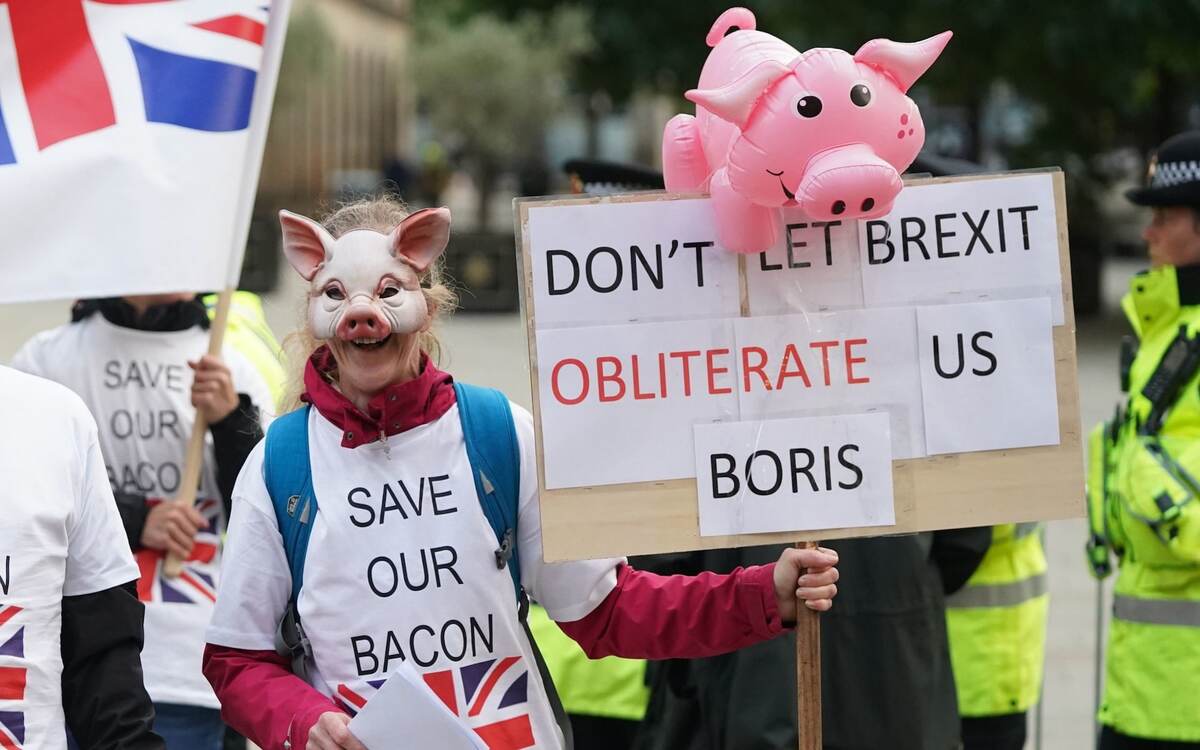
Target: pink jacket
646,616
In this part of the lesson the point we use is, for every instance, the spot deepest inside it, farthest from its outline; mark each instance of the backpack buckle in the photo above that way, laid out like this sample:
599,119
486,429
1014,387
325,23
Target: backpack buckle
505,551
291,641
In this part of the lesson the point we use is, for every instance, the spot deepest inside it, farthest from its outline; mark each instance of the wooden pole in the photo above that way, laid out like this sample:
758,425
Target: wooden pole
808,672
194,461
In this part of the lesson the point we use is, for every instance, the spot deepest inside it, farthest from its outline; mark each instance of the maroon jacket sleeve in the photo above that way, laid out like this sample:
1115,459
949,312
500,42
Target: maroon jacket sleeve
648,616
261,698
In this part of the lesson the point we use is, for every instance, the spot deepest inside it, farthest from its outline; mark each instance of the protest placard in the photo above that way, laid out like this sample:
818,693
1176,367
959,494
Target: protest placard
949,321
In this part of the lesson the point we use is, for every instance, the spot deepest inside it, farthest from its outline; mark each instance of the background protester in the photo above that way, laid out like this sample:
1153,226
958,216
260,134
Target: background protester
139,365
70,621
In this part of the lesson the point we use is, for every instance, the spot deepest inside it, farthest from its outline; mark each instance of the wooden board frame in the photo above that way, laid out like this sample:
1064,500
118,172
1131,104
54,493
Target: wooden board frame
936,492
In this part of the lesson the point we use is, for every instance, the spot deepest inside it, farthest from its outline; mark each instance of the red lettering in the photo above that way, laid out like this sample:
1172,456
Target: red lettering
824,346
748,368
662,374
583,373
615,377
713,371
684,357
791,354
851,361
637,382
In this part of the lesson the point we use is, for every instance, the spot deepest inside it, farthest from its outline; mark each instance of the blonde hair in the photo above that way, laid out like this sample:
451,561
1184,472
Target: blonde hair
379,214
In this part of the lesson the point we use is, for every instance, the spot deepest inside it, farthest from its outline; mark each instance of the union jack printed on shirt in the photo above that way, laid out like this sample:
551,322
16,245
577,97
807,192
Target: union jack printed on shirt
82,66
13,673
491,696
196,583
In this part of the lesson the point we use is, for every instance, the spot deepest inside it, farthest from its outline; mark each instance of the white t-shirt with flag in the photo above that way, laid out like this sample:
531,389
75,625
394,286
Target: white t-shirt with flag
400,566
138,387
61,536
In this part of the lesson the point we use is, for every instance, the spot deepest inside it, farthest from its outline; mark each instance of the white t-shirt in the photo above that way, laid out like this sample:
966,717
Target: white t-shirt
400,566
138,387
60,536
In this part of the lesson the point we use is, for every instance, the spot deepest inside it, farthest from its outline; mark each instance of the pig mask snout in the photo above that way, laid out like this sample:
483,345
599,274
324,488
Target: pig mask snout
363,322
365,285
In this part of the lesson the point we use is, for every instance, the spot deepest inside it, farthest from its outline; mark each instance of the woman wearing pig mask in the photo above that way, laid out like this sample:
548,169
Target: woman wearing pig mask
388,438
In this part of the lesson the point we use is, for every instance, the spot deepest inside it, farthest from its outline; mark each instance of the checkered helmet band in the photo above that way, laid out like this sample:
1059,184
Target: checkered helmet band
1168,173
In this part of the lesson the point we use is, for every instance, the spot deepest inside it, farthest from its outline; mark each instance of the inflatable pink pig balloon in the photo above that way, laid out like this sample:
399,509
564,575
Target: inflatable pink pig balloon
823,130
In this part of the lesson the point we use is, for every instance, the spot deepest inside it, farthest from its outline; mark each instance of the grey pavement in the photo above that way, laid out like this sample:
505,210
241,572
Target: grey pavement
491,350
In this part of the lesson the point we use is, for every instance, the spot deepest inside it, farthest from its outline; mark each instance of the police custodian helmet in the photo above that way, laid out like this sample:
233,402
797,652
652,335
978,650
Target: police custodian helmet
1173,178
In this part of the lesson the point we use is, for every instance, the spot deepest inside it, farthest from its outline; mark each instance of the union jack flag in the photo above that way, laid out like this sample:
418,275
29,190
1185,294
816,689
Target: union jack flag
491,696
67,50
196,583
12,678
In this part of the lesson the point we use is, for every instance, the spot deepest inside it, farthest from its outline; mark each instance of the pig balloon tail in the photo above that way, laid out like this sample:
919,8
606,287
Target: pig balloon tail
734,19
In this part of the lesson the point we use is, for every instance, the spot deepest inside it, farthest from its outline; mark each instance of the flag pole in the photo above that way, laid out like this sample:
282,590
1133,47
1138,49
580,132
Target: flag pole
808,672
261,106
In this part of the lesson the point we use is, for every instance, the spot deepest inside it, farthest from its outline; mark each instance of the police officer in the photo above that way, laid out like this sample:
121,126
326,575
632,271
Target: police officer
1143,489
997,630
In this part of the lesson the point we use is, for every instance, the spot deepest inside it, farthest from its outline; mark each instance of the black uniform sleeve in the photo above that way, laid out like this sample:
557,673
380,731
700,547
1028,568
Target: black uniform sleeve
957,553
233,439
133,510
104,699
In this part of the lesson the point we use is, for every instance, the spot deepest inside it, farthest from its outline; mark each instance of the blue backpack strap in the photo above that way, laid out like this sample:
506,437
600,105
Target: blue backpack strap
287,472
495,457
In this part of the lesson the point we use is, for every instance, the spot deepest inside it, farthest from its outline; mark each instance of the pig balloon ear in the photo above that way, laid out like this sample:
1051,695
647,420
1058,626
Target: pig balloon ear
305,243
422,237
734,102
903,62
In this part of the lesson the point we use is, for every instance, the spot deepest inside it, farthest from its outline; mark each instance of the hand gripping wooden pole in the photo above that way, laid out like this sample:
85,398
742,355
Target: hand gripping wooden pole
808,672
194,461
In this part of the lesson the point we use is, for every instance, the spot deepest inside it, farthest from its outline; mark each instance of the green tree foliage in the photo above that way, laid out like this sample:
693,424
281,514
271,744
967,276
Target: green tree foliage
489,85
1101,73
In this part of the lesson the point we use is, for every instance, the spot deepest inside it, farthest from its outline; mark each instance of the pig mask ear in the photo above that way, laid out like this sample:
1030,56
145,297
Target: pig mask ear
903,62
734,102
422,237
305,243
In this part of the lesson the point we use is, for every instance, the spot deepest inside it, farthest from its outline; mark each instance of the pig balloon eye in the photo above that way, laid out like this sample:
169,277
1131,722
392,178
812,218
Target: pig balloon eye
860,95
334,293
808,106
390,291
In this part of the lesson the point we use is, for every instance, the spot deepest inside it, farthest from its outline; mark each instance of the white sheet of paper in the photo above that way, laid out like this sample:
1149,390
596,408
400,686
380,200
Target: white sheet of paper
405,712
873,367
642,429
794,474
585,268
1022,262
991,385
812,268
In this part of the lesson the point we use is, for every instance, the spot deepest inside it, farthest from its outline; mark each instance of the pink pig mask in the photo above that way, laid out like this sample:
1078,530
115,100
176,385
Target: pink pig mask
365,285
826,131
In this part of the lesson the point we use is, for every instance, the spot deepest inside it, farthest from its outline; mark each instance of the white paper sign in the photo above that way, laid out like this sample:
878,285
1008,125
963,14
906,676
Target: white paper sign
618,402
834,363
406,713
987,375
965,242
794,474
814,267
624,262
